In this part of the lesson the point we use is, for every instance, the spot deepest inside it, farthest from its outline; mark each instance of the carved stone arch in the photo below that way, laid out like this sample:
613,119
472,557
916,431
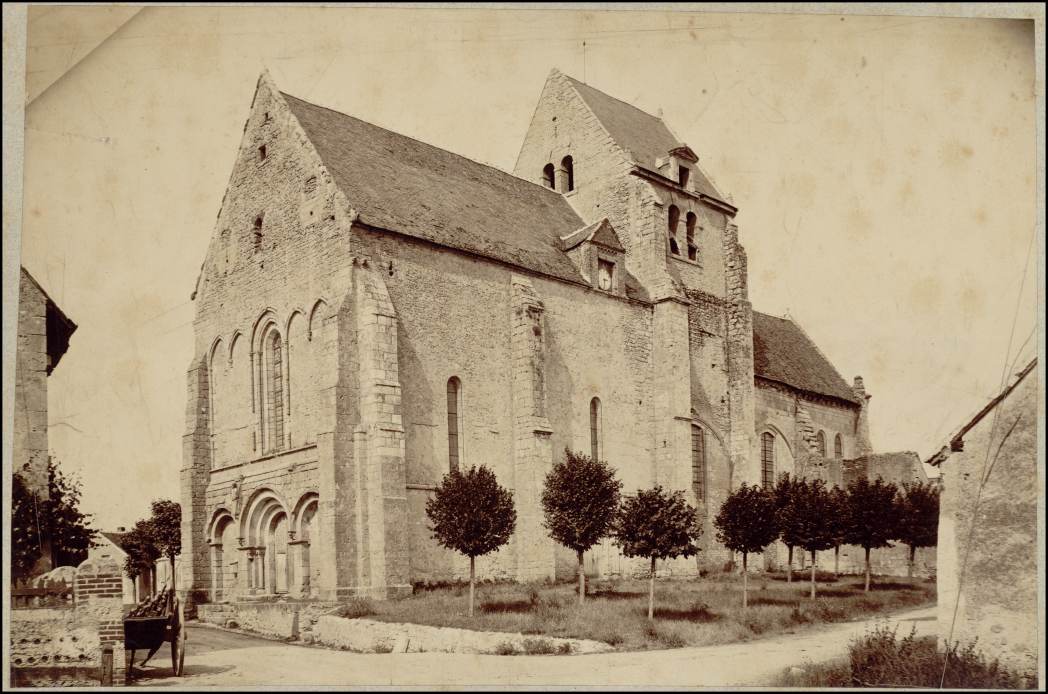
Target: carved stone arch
291,317
307,500
771,428
220,514
261,325
316,314
706,426
237,335
215,344
259,504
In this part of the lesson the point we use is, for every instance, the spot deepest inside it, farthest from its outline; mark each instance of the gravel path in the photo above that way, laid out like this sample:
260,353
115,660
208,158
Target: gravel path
224,659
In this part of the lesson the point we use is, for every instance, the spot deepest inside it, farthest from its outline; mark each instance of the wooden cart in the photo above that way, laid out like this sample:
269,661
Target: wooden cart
150,633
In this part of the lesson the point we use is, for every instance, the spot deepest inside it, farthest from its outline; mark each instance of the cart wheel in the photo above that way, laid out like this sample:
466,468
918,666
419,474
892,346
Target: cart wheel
178,640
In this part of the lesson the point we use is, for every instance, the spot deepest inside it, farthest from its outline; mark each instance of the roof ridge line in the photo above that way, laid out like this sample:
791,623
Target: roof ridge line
621,101
421,142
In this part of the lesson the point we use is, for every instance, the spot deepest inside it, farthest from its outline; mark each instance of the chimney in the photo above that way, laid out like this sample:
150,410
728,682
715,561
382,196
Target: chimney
862,425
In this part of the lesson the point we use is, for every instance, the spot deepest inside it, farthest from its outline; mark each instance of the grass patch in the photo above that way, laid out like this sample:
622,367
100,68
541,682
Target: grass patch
882,659
689,612
357,607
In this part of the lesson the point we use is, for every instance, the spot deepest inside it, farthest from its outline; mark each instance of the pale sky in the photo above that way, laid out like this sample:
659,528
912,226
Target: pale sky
884,169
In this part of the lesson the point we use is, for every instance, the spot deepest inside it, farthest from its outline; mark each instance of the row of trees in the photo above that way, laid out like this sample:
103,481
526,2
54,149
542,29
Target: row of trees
806,514
57,516
582,504
152,539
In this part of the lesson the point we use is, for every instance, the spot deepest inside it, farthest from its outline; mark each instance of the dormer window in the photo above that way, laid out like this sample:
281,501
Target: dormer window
548,176
683,173
605,275
674,218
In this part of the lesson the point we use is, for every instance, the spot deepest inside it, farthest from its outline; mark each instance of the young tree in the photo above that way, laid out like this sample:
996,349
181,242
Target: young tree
26,529
917,518
783,491
166,528
746,523
871,509
471,514
656,525
811,528
58,517
579,501
838,524
142,552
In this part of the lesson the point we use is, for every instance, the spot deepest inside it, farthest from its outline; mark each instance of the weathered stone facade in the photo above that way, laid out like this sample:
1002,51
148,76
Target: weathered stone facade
372,311
988,525
43,337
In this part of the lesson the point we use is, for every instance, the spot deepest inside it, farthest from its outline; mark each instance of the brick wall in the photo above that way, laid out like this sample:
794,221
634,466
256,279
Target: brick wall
63,646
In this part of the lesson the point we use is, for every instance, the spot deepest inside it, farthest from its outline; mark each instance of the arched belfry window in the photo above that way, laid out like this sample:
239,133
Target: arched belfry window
838,447
549,176
454,423
273,405
596,432
693,248
568,165
698,462
820,444
767,460
674,219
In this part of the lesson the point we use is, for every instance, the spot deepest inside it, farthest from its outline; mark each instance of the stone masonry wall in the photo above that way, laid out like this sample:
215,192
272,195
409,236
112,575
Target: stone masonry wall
987,573
29,440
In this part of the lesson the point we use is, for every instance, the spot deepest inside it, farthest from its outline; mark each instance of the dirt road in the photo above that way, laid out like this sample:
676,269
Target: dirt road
218,658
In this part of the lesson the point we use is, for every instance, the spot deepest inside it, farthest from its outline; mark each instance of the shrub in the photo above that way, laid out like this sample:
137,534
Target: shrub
357,607
539,647
505,648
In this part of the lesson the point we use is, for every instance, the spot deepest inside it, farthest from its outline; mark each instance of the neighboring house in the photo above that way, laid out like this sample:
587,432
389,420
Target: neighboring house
108,545
988,585
43,337
373,312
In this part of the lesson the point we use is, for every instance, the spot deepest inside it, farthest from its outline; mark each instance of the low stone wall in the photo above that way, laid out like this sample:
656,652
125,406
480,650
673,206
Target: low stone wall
63,646
369,636
285,620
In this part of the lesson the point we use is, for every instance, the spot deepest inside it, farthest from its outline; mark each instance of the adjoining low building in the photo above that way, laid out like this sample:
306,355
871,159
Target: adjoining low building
987,583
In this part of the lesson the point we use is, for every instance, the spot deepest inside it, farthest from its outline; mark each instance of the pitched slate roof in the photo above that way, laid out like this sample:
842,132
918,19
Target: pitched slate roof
116,538
399,184
646,137
782,352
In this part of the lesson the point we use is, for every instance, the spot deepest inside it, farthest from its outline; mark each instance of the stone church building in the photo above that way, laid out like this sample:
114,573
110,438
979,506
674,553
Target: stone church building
374,311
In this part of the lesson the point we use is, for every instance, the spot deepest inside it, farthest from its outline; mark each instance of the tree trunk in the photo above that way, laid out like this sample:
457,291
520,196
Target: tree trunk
867,569
837,561
789,564
172,558
651,591
745,585
813,574
472,582
582,578
909,566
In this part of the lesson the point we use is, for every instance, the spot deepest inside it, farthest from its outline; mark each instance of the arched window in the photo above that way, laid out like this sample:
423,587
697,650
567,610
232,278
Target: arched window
674,218
820,444
548,176
569,173
273,407
767,460
258,233
698,462
596,432
693,249
454,422
838,447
